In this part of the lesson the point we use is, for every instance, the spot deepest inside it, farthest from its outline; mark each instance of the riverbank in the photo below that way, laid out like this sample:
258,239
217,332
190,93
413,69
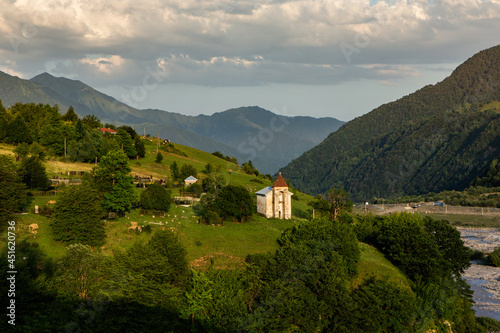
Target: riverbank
484,280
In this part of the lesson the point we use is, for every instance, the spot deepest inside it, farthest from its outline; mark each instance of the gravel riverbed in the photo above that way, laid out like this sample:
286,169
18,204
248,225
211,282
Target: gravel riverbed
484,280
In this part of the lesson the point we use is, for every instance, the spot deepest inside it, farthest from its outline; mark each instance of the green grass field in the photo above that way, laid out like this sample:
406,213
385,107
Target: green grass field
478,221
374,264
223,246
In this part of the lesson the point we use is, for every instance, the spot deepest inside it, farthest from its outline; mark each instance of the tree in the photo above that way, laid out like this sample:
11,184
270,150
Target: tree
33,174
13,193
335,202
406,243
127,143
155,197
112,178
153,273
70,115
78,216
110,126
18,131
233,201
22,150
213,179
159,158
174,169
79,273
139,147
92,121
456,256
186,171
51,135
494,257
380,306
133,134
37,151
248,168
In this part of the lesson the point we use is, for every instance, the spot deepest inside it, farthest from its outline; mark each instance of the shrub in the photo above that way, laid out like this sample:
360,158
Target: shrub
159,157
494,257
212,217
155,197
233,202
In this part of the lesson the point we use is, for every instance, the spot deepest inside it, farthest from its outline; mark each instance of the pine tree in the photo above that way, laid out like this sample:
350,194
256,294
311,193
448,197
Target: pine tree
13,193
127,143
70,115
159,157
174,169
33,174
139,147
18,131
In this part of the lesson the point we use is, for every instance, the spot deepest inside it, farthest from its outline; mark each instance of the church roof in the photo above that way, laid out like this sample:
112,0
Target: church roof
264,191
280,182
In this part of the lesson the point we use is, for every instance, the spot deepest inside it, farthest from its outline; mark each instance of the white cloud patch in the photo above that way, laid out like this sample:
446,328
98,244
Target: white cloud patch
244,42
104,64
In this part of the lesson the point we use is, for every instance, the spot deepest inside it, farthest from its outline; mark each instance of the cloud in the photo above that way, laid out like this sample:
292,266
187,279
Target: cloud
102,64
243,42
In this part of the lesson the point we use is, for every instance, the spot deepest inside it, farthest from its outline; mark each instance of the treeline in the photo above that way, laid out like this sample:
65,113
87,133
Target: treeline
64,135
309,284
473,196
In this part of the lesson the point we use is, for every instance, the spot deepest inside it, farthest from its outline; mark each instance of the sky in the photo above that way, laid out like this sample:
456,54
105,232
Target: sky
315,58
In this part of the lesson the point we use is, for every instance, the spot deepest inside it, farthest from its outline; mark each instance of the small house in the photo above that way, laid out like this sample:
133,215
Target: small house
108,130
190,180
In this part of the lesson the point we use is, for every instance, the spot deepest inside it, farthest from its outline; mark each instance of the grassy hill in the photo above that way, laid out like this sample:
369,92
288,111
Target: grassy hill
439,138
221,246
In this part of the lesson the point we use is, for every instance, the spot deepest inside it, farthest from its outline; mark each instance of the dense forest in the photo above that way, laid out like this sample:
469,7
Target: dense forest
441,137
64,135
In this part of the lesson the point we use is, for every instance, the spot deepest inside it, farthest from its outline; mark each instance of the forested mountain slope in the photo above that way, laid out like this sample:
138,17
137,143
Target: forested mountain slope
439,138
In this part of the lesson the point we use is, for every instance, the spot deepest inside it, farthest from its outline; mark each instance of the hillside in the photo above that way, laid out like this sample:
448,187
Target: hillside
439,138
248,133
359,274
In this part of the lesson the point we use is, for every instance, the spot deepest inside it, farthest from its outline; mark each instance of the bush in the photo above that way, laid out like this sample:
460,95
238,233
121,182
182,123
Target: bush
234,202
159,157
155,197
195,189
212,217
476,255
494,258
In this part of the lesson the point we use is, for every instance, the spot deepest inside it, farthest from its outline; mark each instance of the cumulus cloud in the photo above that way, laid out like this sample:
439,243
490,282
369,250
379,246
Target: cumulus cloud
243,42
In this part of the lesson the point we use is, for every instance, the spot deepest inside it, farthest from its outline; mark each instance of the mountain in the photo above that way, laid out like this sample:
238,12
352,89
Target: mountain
439,138
248,133
14,89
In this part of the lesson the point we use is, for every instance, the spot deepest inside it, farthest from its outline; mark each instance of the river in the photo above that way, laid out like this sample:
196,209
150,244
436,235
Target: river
484,280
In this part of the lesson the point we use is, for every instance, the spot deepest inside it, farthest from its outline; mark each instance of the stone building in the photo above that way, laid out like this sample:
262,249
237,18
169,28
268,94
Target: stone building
275,201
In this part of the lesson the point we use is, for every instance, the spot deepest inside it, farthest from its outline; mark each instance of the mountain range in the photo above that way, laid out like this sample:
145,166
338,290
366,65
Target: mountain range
438,138
247,133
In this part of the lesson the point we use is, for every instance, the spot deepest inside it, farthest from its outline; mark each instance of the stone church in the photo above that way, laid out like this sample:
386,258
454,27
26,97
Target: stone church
275,201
